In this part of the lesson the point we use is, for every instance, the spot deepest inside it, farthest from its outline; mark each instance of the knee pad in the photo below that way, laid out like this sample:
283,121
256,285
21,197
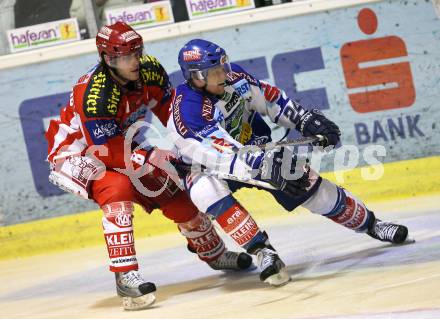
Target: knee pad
324,199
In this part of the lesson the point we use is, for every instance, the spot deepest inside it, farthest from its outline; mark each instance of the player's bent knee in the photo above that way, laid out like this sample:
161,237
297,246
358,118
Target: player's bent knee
324,199
208,190
180,209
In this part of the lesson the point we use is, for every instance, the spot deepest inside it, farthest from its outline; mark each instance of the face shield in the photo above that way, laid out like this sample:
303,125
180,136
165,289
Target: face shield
215,73
126,60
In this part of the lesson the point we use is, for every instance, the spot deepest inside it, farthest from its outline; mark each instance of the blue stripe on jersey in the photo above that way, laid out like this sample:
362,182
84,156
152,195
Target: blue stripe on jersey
282,102
231,167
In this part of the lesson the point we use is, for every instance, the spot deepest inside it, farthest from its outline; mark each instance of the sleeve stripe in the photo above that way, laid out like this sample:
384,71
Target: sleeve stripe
231,168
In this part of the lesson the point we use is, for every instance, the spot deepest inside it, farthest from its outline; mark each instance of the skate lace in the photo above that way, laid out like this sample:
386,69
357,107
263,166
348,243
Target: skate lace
132,279
265,258
227,260
385,230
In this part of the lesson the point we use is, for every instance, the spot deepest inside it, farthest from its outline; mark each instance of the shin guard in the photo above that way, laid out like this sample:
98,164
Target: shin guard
202,237
339,205
350,212
118,233
240,226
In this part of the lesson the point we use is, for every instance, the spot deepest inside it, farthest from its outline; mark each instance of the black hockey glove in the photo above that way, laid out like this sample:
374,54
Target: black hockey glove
272,172
313,122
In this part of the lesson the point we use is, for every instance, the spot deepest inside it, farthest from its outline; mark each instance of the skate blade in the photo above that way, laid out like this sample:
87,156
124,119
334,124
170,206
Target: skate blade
408,241
235,270
138,303
279,279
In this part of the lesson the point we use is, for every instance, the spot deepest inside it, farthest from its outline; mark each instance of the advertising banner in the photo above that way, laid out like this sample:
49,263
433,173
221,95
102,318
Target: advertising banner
205,8
142,16
43,35
373,69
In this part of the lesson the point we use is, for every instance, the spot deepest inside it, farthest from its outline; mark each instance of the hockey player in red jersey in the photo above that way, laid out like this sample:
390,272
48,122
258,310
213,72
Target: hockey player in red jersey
90,156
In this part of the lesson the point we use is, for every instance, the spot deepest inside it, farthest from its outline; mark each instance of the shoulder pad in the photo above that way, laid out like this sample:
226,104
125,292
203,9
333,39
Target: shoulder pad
102,95
152,72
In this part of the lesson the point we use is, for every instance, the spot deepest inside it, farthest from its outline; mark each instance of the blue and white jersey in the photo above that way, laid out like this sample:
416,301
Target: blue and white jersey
208,129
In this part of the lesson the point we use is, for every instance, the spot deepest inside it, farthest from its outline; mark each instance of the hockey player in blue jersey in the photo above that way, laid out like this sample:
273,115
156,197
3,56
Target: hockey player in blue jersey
217,111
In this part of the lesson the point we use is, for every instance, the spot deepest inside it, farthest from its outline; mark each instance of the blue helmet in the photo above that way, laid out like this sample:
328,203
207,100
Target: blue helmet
197,56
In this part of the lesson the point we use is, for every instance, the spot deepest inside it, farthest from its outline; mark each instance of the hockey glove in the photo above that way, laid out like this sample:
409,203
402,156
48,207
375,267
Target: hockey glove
315,123
272,172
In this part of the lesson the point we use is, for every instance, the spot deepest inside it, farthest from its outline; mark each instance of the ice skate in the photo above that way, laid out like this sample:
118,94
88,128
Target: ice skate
136,293
231,260
388,232
272,268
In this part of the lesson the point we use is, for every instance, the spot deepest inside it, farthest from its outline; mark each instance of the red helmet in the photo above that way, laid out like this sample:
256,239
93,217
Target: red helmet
118,39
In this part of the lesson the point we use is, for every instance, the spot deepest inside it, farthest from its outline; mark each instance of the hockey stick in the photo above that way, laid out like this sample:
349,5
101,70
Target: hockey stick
268,146
272,145
298,141
185,168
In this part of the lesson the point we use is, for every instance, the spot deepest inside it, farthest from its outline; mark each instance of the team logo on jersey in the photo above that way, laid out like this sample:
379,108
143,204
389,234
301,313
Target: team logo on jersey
150,76
220,144
233,122
101,130
176,116
113,100
245,134
233,102
94,94
192,55
207,109
234,77
102,96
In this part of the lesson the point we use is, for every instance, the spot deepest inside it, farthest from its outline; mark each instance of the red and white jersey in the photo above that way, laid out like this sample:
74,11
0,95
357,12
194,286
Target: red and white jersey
100,111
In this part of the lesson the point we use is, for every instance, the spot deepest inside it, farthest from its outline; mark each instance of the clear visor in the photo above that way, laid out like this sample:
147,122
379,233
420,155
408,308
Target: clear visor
124,60
215,72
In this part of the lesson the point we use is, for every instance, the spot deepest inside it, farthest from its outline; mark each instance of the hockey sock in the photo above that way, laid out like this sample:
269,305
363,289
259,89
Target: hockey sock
202,237
350,212
118,234
339,205
235,220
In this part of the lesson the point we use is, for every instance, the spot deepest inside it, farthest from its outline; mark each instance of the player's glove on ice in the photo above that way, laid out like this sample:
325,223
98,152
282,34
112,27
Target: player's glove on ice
313,122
